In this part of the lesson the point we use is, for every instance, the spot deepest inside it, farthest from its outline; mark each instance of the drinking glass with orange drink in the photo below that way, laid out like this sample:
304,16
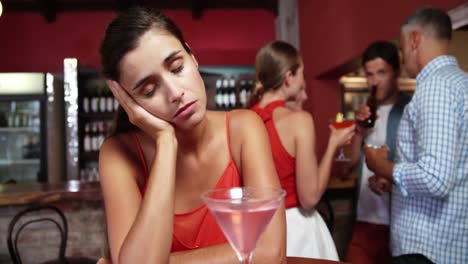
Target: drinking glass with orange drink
341,123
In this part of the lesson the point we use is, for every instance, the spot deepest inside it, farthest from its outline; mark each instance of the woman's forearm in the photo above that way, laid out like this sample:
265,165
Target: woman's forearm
324,169
148,242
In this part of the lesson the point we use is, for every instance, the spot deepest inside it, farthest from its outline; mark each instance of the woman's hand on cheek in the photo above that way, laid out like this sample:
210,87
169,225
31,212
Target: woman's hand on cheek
137,115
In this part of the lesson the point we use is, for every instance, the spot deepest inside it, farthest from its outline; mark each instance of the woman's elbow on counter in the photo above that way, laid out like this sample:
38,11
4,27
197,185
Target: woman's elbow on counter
309,203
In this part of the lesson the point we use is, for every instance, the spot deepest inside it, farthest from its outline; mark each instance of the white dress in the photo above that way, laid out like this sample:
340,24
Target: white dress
308,235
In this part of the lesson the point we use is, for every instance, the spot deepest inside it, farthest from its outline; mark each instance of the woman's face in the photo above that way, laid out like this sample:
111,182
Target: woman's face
381,74
298,103
164,79
298,82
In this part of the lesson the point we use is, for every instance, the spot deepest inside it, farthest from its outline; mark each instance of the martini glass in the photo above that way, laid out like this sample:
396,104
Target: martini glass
243,213
342,125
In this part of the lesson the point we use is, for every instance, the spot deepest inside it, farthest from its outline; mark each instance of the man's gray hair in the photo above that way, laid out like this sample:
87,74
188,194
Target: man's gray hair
431,20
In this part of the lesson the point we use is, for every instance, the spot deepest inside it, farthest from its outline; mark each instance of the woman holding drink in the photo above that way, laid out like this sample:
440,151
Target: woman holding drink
279,70
167,149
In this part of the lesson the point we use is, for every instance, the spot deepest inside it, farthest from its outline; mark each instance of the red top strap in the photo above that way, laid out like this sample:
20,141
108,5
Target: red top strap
285,164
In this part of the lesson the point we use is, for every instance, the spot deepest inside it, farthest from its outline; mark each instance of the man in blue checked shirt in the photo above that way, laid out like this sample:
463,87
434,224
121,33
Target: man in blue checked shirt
429,214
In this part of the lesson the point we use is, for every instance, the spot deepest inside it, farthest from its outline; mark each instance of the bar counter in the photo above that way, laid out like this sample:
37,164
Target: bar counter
295,260
82,204
29,193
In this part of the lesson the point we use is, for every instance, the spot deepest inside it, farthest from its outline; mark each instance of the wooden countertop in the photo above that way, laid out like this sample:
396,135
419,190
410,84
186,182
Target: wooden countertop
290,260
22,193
295,260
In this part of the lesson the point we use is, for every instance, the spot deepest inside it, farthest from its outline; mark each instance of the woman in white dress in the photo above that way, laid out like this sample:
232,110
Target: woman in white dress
280,79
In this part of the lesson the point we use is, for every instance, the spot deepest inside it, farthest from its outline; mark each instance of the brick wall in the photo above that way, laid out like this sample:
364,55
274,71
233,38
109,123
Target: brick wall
40,242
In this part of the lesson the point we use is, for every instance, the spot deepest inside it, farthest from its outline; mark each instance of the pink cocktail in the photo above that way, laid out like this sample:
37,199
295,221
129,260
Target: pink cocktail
243,214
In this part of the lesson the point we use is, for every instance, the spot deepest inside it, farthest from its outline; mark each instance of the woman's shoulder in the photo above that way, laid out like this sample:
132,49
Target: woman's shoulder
294,117
242,123
242,118
301,115
119,154
122,143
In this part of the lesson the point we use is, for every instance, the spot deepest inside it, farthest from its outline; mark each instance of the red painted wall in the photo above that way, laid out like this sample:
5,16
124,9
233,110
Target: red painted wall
335,31
331,33
29,43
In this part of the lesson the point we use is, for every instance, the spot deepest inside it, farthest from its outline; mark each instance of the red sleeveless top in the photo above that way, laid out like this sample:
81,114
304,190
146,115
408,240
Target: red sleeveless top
198,228
285,164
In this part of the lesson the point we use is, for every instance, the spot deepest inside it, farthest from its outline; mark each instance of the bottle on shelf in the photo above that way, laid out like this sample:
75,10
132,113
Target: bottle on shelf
232,93
86,104
95,136
243,94
110,103
250,88
116,104
94,104
218,94
102,103
101,135
87,139
225,90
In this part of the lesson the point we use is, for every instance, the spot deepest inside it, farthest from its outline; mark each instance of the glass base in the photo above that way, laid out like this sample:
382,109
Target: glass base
341,157
246,258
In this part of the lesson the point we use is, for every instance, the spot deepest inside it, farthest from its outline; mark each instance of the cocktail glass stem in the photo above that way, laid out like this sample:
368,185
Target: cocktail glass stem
341,156
246,258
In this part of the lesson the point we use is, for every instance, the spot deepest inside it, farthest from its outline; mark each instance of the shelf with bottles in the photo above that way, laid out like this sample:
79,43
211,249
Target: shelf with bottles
89,172
225,93
19,162
232,93
94,135
34,130
19,115
97,102
20,148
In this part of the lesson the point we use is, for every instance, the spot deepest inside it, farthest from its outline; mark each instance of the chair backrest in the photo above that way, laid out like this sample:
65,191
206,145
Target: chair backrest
16,227
325,209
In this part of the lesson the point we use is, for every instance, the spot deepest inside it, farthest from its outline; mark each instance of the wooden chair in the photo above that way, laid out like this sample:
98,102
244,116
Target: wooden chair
16,227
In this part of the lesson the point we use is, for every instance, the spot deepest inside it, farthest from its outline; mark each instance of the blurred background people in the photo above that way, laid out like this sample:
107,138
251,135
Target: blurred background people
279,70
371,236
429,200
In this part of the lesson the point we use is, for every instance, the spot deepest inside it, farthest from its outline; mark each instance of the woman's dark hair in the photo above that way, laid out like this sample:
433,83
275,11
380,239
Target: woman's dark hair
385,50
122,36
272,62
124,32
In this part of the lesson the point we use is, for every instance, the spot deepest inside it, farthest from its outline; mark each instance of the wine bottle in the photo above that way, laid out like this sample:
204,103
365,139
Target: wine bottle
232,93
372,104
218,95
225,93
243,94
